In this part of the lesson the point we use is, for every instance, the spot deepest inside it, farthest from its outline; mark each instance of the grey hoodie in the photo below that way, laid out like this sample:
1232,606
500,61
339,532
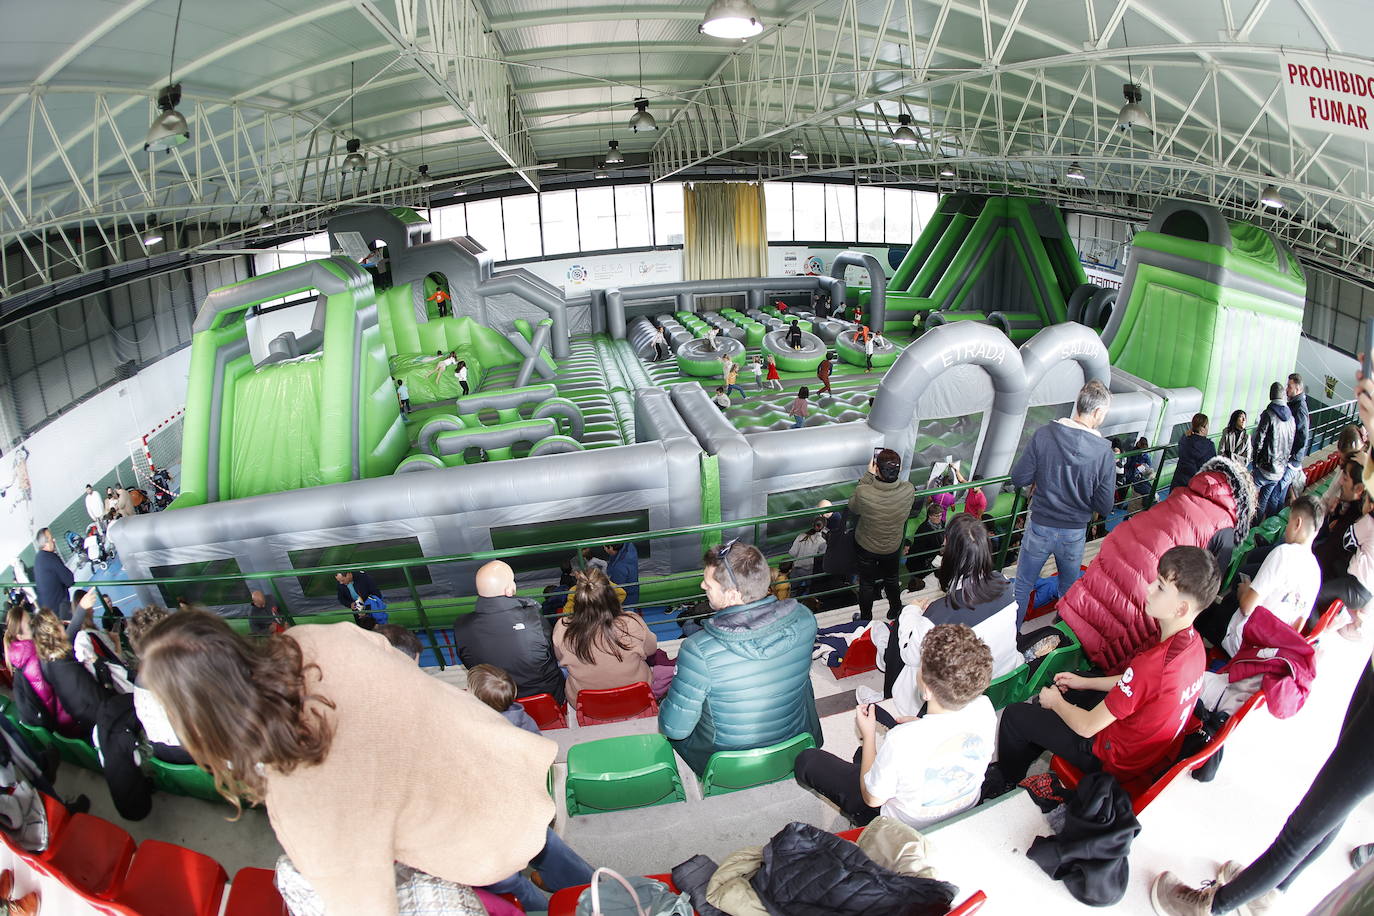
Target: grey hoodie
1073,470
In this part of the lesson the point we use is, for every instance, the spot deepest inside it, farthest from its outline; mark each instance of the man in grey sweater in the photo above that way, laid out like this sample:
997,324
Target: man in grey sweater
1071,471
882,502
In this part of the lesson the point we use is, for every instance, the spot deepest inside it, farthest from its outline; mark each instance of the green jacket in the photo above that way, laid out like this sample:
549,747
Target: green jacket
743,682
882,509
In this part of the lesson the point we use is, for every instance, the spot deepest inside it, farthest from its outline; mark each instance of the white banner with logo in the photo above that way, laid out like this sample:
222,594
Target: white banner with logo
1330,97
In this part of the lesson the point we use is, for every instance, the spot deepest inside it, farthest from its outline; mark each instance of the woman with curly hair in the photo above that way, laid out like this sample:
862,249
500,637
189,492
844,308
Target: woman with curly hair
362,759
601,644
75,689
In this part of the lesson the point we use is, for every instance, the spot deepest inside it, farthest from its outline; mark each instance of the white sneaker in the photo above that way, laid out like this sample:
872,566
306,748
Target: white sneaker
1259,906
863,694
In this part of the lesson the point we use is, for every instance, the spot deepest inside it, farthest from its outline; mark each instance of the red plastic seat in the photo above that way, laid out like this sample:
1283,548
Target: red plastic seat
564,902
862,656
254,893
170,880
1324,621
972,905
1144,790
91,855
546,712
633,701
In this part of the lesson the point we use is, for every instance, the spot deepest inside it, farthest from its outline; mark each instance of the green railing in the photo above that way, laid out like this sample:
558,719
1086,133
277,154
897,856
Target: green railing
1004,520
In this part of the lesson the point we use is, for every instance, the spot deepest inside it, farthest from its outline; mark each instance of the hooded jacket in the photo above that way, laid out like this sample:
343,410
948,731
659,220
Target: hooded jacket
883,509
23,657
1105,608
1193,452
1274,440
510,633
743,682
1301,426
1073,470
1271,648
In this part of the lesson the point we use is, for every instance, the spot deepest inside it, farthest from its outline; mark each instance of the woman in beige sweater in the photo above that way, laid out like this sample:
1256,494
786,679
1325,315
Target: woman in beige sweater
361,758
601,644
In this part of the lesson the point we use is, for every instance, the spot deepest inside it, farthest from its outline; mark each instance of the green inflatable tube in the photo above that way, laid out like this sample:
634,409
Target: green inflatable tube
853,353
804,360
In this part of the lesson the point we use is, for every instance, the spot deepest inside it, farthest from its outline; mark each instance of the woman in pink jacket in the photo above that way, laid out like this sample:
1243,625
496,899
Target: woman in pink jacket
21,657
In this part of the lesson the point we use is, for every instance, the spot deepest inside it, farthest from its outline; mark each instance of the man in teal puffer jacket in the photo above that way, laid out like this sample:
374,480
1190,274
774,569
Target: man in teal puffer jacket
744,681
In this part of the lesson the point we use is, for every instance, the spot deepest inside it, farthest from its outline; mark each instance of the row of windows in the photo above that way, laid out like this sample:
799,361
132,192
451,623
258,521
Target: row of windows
555,223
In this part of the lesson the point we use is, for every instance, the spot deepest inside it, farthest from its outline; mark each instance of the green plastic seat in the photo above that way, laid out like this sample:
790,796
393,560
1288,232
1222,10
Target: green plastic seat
1068,657
77,752
634,771
1009,688
731,771
185,779
37,735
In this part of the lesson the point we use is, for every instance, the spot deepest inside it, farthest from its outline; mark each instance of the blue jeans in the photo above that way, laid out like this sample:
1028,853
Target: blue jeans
558,867
1269,495
1038,543
798,421
733,388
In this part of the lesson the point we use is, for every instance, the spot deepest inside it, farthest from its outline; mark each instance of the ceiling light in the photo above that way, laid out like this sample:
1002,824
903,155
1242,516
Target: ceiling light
904,135
731,19
1075,173
355,161
425,177
797,153
265,221
641,119
169,127
600,173
460,192
1132,115
1270,197
613,154
947,171
151,233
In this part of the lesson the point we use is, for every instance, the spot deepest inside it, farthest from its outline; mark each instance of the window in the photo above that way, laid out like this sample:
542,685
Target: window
484,224
871,228
631,521
216,593
777,197
360,556
668,220
449,222
632,226
926,204
560,222
839,213
596,218
522,226
896,216
808,212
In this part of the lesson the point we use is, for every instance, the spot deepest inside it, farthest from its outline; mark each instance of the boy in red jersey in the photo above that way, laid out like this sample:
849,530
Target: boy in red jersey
1127,729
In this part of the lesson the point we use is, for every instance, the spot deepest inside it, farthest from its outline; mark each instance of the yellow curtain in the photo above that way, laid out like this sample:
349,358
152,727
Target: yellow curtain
724,231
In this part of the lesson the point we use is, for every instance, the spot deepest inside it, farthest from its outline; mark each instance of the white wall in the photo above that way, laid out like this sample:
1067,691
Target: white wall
579,275
795,261
85,443
1317,362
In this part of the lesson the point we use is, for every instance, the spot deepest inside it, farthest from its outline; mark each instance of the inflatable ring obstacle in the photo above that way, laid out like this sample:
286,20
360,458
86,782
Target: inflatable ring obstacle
804,360
852,352
696,359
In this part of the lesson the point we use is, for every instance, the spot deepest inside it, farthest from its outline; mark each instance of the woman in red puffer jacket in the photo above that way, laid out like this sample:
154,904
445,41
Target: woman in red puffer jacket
1105,607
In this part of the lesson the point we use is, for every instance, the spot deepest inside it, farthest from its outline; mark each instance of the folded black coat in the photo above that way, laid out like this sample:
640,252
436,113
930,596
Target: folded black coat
692,878
118,732
808,872
1090,854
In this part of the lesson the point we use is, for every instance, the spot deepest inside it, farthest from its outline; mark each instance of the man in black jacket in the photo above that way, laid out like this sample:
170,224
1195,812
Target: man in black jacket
508,632
51,576
1275,435
354,590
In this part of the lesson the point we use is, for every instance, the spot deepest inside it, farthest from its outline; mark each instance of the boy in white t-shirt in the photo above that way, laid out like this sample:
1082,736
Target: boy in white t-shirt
928,768
1287,584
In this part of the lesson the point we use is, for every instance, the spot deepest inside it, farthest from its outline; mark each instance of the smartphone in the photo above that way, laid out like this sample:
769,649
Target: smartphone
1368,367
876,452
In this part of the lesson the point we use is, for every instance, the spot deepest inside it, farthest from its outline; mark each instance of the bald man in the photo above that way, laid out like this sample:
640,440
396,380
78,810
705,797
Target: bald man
508,632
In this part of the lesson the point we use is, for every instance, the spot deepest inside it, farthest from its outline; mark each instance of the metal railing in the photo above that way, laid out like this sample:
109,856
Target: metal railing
1325,426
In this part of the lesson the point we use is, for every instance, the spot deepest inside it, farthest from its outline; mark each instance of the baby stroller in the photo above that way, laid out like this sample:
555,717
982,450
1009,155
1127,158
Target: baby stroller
162,489
95,549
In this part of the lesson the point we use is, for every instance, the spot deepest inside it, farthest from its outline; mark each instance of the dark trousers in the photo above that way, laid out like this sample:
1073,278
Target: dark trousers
1344,781
1028,729
836,780
878,572
1214,621
463,385
1345,588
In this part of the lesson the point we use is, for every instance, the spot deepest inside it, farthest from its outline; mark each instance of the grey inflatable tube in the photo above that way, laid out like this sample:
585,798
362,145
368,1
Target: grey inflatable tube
455,442
1059,342
525,285
564,409
877,283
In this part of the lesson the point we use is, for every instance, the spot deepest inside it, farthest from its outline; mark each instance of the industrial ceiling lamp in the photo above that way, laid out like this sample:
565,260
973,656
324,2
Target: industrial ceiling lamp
1075,173
425,177
169,128
355,161
798,154
613,154
904,135
641,119
947,171
600,173
1132,115
151,233
1270,197
265,221
731,19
